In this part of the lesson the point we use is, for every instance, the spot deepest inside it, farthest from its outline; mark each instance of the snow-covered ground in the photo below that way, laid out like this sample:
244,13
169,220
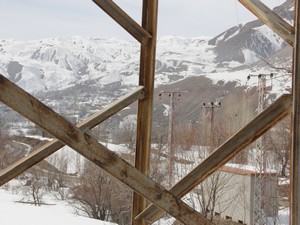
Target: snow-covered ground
14,213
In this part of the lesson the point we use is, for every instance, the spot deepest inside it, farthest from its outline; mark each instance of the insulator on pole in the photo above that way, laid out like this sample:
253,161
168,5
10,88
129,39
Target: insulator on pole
160,94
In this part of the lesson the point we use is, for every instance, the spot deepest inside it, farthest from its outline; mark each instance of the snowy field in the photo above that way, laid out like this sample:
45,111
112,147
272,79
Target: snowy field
13,213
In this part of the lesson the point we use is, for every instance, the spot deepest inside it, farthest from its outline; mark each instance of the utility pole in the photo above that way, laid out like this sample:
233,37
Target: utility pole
172,97
259,216
209,108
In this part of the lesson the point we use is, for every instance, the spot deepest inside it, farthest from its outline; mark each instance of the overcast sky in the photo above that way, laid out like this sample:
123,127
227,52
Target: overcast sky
35,19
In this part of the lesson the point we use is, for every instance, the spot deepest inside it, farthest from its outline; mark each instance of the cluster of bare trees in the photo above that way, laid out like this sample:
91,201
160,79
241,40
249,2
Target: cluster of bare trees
210,194
98,196
90,191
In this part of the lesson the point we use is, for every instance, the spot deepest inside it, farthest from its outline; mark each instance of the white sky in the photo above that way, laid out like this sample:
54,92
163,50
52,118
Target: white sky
35,19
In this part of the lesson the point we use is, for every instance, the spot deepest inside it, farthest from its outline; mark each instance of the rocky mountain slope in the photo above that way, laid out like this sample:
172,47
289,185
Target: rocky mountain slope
252,41
84,74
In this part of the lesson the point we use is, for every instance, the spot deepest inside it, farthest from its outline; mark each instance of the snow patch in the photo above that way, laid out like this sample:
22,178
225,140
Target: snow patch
273,37
250,56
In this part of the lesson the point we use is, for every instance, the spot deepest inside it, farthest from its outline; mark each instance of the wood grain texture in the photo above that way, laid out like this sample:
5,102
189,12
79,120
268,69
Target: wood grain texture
145,106
49,148
124,20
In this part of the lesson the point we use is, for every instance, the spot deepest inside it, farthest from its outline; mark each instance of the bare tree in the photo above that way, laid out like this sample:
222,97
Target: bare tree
92,196
35,186
281,64
120,213
57,177
100,196
211,195
126,133
277,142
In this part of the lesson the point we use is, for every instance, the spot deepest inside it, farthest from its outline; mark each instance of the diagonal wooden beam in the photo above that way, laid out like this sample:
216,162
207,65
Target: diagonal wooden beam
253,130
271,19
83,143
124,20
144,118
49,148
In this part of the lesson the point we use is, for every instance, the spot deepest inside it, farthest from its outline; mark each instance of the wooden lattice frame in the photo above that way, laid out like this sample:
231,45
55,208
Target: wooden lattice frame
136,177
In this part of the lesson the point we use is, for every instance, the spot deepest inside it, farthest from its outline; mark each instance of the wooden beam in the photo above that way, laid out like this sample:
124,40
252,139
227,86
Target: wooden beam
295,150
144,117
34,110
49,148
253,130
124,20
271,19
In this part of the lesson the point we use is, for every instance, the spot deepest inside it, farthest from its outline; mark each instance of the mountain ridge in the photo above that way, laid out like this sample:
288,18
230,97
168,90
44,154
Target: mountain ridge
83,74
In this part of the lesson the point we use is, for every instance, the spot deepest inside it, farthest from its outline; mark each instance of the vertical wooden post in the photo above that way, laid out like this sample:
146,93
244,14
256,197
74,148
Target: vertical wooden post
144,118
295,154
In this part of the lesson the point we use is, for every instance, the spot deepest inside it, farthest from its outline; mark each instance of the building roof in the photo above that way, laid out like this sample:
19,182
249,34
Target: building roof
241,169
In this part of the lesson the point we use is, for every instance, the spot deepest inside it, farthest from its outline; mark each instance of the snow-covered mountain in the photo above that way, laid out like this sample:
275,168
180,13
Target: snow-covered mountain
63,63
87,73
252,41
60,63
56,64
111,64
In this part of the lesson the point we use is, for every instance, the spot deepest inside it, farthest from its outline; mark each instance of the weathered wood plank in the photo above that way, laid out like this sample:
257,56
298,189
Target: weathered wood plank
49,148
258,126
113,108
124,20
144,117
271,19
295,150
86,145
